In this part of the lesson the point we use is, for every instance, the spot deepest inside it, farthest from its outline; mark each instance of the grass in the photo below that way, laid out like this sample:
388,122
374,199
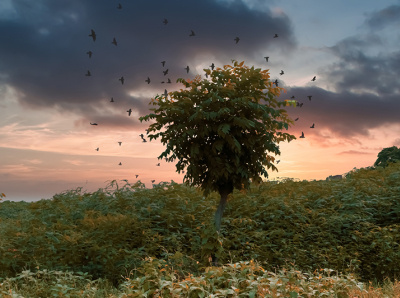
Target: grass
289,239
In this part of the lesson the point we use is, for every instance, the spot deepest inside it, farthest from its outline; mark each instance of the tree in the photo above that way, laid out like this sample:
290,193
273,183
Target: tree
222,128
388,155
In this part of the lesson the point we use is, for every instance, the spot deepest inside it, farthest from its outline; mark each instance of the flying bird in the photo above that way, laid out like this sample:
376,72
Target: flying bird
90,53
314,78
302,135
114,41
165,93
296,119
112,99
158,164
119,6
163,63
309,97
120,143
282,72
137,176
93,123
97,149
169,81
276,83
192,33
276,35
129,112
187,69
236,39
165,72
120,164
165,21
152,181
122,80
212,66
266,58
148,80
88,74
312,126
278,161
93,35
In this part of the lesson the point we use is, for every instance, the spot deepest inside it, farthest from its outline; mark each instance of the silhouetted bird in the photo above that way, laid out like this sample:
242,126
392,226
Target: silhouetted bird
266,58
169,81
88,74
237,39
93,123
114,41
278,161
142,136
152,181
314,78
309,97
292,97
163,63
296,119
129,112
120,164
212,66
276,83
187,69
122,80
90,53
137,176
206,75
93,35
282,72
165,72
192,33
158,164
165,93
120,143
312,126
302,135
148,80
112,99
119,6
165,21
276,35
97,149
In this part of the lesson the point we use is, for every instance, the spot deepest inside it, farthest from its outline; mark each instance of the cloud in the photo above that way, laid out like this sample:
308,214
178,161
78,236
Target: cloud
45,57
383,18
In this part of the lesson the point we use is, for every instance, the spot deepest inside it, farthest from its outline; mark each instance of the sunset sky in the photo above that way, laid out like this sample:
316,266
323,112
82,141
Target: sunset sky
47,144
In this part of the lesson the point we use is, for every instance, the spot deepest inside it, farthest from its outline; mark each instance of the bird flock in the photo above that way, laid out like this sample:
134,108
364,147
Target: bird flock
165,71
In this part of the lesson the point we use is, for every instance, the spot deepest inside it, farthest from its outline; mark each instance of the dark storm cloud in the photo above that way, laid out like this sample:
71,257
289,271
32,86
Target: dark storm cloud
344,114
366,89
358,70
384,17
45,53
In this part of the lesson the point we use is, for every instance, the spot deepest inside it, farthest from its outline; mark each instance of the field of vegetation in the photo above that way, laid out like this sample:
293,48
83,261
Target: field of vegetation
288,239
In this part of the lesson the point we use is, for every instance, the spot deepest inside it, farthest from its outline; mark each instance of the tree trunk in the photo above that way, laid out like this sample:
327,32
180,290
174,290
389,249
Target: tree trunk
224,191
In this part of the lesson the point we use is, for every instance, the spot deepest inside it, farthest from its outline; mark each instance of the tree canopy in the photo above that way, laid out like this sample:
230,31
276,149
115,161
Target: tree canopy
388,155
222,128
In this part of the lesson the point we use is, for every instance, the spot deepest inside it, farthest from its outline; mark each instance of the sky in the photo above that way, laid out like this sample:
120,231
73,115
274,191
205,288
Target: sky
47,102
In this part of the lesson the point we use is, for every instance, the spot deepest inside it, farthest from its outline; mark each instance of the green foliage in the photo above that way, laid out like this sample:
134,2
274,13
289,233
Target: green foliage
350,226
388,155
221,129
44,283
